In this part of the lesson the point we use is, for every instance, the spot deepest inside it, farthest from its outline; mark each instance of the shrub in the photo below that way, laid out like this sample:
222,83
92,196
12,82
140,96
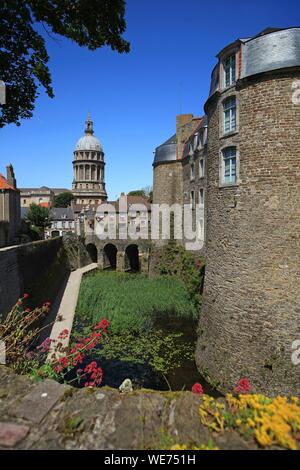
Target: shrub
174,260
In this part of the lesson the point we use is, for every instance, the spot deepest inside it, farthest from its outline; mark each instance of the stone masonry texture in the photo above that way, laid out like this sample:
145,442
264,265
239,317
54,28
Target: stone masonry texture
251,310
58,417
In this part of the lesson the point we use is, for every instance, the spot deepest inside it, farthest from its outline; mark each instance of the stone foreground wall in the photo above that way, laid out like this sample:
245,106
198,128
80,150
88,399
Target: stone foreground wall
47,415
38,268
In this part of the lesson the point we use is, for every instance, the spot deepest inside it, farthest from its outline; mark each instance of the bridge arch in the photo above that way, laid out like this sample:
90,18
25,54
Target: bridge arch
93,252
132,262
110,256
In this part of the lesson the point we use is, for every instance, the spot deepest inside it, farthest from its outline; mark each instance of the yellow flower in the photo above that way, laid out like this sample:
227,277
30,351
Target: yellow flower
179,447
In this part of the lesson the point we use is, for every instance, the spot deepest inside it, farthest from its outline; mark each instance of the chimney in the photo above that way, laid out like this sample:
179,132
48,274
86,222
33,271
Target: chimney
183,131
10,176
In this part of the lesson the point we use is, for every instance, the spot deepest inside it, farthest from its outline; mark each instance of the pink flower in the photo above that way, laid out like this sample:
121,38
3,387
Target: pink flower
243,386
25,296
45,345
29,355
197,389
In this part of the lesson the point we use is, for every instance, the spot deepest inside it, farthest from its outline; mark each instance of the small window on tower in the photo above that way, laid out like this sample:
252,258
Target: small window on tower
229,67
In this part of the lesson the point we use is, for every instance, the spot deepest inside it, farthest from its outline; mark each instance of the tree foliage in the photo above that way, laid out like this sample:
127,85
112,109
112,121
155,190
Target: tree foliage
38,216
145,192
63,199
137,192
23,54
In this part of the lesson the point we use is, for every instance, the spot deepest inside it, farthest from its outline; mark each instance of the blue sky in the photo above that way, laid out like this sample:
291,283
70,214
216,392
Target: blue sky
133,98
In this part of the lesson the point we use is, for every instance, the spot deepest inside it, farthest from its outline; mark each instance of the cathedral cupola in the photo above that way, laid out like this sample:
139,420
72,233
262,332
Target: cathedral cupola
88,165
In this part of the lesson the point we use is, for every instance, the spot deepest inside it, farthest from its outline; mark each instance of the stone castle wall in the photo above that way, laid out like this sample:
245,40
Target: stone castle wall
250,314
37,268
167,183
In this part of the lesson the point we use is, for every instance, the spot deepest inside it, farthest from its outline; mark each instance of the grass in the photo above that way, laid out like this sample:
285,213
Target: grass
132,301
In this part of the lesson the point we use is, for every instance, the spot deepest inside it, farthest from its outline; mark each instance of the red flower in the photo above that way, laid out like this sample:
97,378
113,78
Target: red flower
19,302
102,325
63,334
25,296
243,386
63,361
197,389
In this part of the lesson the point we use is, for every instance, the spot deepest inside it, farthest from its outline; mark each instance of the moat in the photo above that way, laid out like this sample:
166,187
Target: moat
152,333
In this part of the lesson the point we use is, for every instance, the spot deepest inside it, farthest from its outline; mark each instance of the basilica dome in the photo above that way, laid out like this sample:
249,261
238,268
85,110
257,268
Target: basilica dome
89,142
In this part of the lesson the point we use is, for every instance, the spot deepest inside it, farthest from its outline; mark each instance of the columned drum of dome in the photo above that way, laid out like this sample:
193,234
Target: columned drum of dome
88,166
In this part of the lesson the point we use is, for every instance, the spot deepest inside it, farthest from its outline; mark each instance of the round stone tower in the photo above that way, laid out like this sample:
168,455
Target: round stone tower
88,165
251,307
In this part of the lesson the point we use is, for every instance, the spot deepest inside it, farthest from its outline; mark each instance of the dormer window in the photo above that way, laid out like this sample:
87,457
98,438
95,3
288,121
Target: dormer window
229,67
229,110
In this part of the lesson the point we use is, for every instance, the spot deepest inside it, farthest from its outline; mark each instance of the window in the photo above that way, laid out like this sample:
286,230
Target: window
229,165
24,201
202,137
201,168
192,199
201,197
229,66
229,112
192,171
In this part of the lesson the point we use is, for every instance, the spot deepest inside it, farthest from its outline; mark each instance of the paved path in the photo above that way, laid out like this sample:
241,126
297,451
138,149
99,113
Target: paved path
68,303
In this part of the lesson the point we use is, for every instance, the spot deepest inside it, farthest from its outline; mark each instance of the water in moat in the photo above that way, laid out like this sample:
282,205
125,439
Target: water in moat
142,375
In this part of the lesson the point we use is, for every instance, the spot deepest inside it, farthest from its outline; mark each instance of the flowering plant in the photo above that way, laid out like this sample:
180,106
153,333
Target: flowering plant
19,332
243,386
197,389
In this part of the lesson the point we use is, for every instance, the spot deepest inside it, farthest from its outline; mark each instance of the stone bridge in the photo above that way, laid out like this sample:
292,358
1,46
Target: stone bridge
121,255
